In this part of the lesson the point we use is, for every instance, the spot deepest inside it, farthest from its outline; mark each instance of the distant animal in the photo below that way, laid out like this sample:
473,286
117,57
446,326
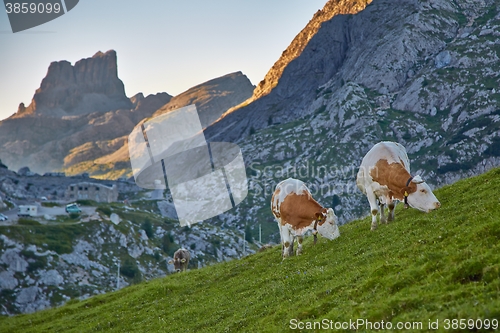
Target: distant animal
261,249
297,212
384,175
181,260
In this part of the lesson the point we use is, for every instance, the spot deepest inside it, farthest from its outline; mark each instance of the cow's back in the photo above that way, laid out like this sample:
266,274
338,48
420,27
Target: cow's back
294,205
283,190
392,152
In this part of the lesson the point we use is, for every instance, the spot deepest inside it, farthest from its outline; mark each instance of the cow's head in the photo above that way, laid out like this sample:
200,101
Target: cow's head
420,195
327,224
178,263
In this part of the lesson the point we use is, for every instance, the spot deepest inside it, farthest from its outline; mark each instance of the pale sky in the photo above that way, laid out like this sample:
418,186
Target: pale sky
162,46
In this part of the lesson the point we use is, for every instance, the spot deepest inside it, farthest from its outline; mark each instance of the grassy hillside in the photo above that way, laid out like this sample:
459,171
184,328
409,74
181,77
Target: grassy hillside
445,264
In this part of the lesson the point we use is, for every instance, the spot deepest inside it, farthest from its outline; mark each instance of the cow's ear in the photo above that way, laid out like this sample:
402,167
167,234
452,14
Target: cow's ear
319,216
170,262
183,260
417,179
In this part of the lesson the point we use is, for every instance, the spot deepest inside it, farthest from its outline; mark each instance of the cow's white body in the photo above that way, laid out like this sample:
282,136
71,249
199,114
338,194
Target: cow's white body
384,174
297,212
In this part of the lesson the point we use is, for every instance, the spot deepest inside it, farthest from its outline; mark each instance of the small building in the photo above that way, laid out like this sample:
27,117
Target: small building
91,191
27,210
54,174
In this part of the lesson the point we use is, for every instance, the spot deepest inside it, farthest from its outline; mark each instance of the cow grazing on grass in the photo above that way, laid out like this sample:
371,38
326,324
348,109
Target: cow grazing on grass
297,212
384,174
181,260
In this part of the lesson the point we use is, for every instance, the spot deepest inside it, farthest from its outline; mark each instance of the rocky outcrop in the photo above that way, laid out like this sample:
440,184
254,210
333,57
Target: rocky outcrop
91,85
213,98
145,106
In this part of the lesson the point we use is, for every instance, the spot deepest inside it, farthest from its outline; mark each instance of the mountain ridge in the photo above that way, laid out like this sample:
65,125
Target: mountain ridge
80,116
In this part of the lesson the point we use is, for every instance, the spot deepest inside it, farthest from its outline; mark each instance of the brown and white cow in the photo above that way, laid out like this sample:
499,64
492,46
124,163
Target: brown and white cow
181,260
384,174
297,212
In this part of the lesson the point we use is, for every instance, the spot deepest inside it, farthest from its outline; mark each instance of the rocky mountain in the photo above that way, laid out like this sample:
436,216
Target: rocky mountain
79,118
91,85
212,98
47,143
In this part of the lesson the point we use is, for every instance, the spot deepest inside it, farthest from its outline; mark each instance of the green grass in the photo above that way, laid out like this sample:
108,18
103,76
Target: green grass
58,238
445,264
50,204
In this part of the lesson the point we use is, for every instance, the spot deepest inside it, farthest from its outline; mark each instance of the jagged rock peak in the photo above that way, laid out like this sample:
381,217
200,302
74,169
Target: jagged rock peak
137,98
331,8
92,84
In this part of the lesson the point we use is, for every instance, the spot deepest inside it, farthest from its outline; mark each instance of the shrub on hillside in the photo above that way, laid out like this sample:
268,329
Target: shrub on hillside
26,221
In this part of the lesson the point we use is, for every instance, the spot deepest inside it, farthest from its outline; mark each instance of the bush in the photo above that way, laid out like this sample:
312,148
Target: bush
86,202
248,234
130,270
50,204
494,149
148,228
168,244
104,210
26,221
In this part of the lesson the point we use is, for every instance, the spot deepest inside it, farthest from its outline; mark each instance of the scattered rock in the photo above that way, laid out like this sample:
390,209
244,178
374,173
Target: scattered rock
443,59
51,278
7,280
14,261
114,218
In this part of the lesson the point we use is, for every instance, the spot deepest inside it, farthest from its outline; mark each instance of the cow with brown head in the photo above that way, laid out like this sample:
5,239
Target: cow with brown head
181,260
384,176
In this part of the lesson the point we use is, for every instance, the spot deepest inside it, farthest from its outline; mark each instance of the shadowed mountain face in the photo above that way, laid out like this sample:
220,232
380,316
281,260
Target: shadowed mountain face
391,47
79,118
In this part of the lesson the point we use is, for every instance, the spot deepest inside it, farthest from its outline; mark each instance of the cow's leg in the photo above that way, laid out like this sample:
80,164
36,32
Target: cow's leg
282,230
372,199
391,206
299,244
383,218
287,241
